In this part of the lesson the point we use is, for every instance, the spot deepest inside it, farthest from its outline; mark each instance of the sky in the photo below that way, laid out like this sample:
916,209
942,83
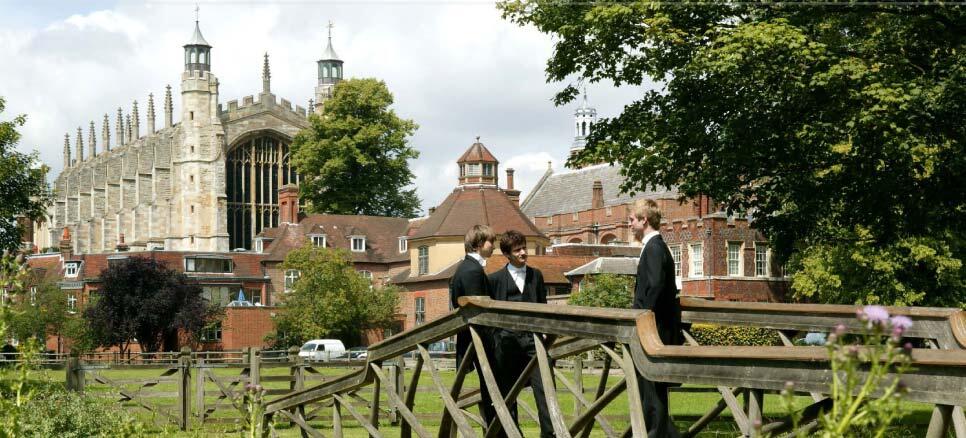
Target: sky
458,69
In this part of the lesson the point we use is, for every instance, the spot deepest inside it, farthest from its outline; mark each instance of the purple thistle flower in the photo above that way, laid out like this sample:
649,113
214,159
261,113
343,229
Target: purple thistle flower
876,314
840,329
907,348
901,322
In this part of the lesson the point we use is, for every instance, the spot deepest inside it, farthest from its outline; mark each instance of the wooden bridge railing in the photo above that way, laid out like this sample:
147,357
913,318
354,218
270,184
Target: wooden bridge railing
938,378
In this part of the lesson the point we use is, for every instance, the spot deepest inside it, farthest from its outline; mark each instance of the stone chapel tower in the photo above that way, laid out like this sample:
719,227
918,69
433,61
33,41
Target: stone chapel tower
199,208
330,74
585,117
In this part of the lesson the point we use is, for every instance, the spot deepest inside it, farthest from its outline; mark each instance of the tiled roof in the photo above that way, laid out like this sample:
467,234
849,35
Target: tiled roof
571,191
44,268
382,236
477,153
465,207
246,264
589,249
607,265
553,268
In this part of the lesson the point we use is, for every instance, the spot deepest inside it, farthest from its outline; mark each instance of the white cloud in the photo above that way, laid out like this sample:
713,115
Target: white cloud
458,70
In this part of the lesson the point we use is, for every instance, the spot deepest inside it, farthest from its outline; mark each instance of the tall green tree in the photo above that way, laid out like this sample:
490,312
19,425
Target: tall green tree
838,127
354,158
24,190
143,299
41,310
331,299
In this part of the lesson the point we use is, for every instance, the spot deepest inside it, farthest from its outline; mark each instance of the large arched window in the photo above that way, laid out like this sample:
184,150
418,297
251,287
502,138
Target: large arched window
255,169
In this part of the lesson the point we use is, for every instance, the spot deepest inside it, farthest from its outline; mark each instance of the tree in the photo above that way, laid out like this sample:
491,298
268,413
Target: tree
143,299
353,159
331,299
838,128
24,190
40,310
605,290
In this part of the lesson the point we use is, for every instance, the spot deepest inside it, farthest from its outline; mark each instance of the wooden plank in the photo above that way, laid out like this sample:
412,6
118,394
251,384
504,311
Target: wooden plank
494,428
336,418
373,432
584,403
601,387
454,411
634,401
445,423
404,430
374,412
502,412
585,419
303,426
404,410
550,389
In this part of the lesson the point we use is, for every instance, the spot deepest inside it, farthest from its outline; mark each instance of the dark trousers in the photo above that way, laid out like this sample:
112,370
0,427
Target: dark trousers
513,352
656,416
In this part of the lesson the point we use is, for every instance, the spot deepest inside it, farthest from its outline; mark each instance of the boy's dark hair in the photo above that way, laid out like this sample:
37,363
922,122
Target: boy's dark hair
511,239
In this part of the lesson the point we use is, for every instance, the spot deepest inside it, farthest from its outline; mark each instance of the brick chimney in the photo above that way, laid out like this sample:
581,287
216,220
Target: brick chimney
288,204
597,198
65,244
121,246
511,194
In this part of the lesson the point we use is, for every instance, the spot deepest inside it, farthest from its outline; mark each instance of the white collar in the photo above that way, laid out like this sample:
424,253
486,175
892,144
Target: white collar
476,256
647,238
522,269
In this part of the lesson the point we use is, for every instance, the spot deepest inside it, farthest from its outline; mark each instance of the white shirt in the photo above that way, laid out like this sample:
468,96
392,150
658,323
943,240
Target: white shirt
647,238
476,256
519,275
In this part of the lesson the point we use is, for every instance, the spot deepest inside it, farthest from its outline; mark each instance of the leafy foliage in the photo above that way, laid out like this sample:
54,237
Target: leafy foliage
835,126
59,413
707,334
143,299
38,313
354,158
605,290
332,300
24,190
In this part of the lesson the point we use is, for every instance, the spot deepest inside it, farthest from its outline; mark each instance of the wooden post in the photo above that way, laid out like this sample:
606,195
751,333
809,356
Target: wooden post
184,389
71,370
254,357
374,414
753,403
578,383
200,389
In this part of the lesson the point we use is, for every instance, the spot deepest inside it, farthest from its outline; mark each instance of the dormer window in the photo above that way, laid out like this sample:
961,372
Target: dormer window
260,244
403,244
318,240
71,269
217,265
358,243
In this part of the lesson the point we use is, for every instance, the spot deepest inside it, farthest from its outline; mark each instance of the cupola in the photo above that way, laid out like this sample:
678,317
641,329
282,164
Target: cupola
197,52
477,166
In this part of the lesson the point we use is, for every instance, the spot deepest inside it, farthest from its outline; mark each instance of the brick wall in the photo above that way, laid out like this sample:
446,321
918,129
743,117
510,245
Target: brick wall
246,327
436,296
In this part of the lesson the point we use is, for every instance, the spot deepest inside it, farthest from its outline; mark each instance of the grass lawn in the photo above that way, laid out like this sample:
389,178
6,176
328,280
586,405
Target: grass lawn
686,407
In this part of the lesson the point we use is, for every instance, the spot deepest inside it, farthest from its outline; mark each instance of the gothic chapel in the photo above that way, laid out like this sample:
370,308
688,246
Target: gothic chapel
208,182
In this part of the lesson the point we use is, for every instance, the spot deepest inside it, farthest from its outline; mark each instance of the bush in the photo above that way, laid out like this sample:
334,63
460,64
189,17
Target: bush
59,413
707,334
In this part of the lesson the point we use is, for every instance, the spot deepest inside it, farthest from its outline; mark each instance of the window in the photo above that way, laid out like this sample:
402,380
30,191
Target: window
115,260
473,169
71,269
487,169
220,295
608,211
318,240
423,260
462,170
676,256
367,275
550,220
358,243
259,245
761,259
696,258
291,276
33,296
216,265
403,244
420,306
734,258
71,302
211,333
4,296
576,216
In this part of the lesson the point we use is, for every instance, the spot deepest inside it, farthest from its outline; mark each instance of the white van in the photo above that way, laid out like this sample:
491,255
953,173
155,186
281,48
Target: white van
321,350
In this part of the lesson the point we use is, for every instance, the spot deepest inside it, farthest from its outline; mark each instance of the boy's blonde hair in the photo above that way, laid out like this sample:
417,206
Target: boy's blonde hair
476,236
647,209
